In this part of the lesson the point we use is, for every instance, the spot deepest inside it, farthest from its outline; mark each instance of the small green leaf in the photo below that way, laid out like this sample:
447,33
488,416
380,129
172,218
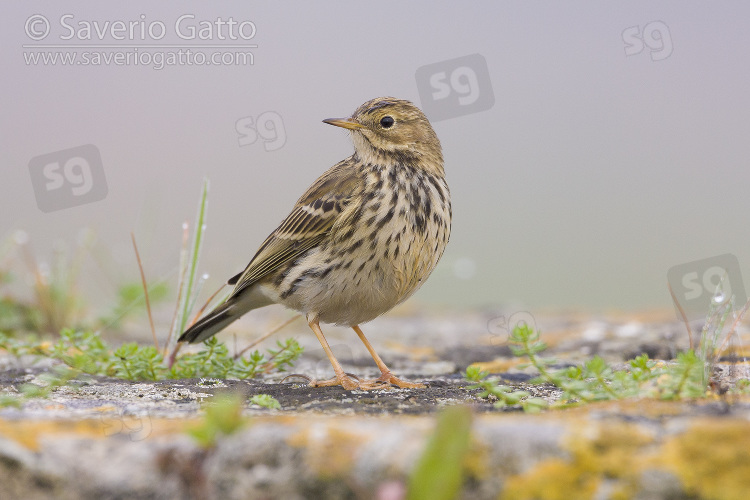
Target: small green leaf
266,401
223,417
439,473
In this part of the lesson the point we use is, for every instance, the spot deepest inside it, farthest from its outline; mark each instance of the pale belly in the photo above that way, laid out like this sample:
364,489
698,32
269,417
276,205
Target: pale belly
387,258
366,282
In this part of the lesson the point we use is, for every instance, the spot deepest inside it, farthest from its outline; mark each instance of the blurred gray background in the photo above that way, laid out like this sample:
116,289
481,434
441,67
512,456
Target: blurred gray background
605,144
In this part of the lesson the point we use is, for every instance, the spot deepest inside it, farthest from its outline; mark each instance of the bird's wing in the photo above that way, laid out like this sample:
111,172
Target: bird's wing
306,226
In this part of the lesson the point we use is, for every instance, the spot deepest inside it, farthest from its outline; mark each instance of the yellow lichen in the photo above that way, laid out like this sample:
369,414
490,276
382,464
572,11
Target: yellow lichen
712,459
28,433
553,479
475,462
606,452
330,452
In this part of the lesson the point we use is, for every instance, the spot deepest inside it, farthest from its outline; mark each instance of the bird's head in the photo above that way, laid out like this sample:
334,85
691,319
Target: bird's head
387,130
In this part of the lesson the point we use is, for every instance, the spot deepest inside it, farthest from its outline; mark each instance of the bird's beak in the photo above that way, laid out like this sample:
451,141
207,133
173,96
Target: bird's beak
347,123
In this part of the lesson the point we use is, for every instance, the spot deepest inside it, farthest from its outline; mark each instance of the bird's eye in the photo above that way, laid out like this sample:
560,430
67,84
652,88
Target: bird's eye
387,122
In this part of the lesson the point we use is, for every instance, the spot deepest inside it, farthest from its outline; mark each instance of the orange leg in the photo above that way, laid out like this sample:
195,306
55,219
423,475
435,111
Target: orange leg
387,378
341,378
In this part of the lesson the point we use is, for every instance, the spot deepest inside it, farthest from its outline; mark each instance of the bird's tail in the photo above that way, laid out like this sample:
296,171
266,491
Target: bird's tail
225,313
212,323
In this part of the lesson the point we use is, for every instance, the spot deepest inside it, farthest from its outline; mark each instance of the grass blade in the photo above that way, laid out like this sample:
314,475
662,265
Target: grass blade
176,319
439,473
189,296
145,291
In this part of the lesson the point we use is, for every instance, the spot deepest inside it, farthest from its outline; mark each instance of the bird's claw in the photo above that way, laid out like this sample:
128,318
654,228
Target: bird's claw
346,381
386,380
352,382
309,380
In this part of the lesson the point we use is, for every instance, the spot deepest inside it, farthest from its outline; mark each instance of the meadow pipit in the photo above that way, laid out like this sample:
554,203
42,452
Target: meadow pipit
362,239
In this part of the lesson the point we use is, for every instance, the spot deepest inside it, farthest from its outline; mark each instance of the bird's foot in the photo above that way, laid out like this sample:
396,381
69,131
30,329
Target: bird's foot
351,382
348,381
386,380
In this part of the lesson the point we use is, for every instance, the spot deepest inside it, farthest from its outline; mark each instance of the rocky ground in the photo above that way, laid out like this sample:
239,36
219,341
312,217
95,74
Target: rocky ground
108,438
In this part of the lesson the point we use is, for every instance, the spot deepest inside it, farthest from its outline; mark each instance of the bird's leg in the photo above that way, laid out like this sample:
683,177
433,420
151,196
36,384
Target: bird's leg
341,378
386,378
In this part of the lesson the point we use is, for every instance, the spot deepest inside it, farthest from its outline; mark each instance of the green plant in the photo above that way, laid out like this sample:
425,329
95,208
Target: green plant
720,308
595,380
439,473
215,361
17,316
84,351
87,352
55,302
144,363
223,417
504,394
266,401
689,376
188,287
135,362
42,387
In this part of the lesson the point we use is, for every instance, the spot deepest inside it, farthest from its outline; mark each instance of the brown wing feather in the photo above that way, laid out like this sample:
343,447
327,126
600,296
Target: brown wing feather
306,226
